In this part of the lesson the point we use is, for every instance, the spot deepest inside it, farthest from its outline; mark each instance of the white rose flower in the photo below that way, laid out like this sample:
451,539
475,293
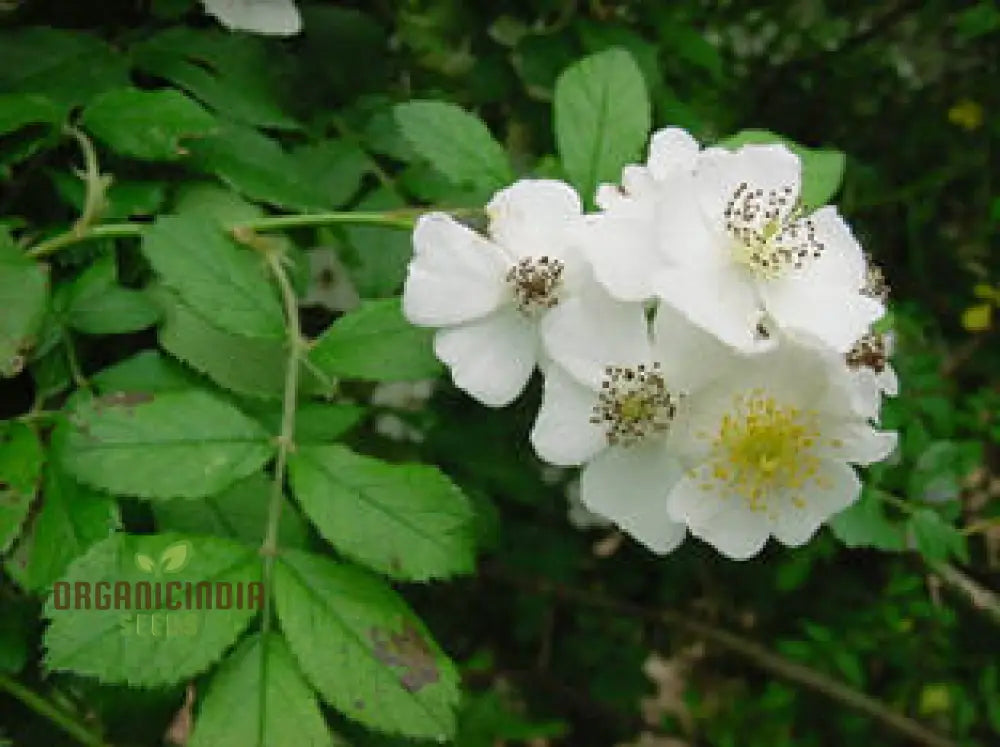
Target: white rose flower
870,373
768,448
488,295
276,17
750,253
610,396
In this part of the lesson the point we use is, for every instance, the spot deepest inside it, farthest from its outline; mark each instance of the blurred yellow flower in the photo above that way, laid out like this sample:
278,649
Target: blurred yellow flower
966,114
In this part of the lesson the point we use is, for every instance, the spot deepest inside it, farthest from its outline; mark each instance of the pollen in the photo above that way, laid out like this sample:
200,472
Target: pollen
536,283
763,449
633,404
770,234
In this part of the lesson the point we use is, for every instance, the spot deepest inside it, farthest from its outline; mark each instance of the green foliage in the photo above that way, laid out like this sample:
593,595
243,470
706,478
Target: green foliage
151,645
288,713
184,444
424,524
377,343
601,116
216,277
21,459
362,648
152,125
23,290
455,143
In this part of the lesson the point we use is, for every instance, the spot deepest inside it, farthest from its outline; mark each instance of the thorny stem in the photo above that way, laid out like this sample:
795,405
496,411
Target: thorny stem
47,710
749,650
95,182
286,442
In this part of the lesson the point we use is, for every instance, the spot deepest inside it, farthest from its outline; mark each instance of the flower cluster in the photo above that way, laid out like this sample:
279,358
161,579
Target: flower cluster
706,342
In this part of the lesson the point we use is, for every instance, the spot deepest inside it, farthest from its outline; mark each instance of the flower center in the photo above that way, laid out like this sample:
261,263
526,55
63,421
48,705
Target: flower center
868,352
633,404
536,283
875,285
770,234
762,448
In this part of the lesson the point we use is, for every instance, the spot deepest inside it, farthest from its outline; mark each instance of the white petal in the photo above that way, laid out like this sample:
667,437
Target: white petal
590,332
721,302
530,217
629,486
856,441
563,434
720,172
835,315
842,261
492,358
887,381
671,149
793,524
722,520
278,17
455,276
690,357
621,247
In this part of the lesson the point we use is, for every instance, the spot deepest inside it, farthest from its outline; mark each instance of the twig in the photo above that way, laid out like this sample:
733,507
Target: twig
979,596
749,650
47,710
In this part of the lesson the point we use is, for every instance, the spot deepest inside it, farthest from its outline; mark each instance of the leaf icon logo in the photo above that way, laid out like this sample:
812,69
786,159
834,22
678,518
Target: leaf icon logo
175,557
145,563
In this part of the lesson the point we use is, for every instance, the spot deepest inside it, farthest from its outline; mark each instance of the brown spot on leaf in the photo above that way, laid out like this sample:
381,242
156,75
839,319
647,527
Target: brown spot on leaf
408,650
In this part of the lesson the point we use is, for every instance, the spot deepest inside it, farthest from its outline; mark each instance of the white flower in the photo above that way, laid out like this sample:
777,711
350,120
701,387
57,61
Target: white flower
722,237
768,448
277,17
750,253
488,295
632,239
610,396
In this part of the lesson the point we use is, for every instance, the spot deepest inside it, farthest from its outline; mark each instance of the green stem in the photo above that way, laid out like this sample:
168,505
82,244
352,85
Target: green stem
46,710
76,236
402,218
286,441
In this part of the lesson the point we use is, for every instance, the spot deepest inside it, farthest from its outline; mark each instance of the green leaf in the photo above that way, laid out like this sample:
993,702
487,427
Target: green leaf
228,72
864,524
68,67
185,444
146,371
99,306
71,519
364,650
148,646
602,118
936,539
252,366
376,342
21,459
455,142
315,422
216,277
334,167
258,168
239,512
17,633
822,168
276,705
151,125
23,296
375,256
20,109
407,521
